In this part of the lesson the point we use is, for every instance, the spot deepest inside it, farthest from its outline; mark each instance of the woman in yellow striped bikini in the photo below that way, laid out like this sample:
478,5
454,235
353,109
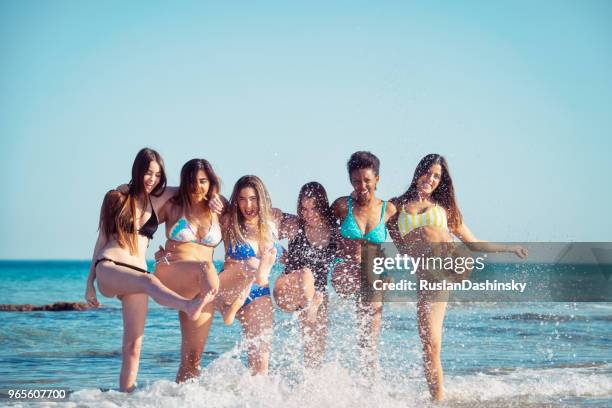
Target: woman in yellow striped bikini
428,214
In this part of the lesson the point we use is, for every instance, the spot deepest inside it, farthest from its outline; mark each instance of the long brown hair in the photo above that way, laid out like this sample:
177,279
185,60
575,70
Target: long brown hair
112,224
189,184
140,166
117,213
444,194
317,192
236,229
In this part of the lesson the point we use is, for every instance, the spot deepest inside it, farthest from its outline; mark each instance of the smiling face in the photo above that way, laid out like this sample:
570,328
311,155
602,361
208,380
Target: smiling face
364,182
429,181
201,184
152,176
310,213
247,203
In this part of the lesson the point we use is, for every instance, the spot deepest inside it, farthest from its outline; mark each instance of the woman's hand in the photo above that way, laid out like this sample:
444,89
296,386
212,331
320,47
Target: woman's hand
519,251
217,205
90,296
161,255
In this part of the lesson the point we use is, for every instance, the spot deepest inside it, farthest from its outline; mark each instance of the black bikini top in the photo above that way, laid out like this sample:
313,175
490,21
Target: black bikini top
149,227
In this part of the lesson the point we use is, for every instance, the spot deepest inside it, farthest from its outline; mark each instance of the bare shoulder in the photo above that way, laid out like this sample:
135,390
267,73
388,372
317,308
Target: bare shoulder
391,209
113,197
289,226
276,213
340,207
276,216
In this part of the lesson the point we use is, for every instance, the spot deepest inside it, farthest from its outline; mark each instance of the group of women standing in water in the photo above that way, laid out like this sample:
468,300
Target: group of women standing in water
321,237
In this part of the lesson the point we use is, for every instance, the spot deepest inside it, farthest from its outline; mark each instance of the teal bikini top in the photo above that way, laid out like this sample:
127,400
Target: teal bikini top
349,228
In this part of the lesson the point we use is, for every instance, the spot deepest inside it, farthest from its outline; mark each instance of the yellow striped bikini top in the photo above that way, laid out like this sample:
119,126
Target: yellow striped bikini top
434,217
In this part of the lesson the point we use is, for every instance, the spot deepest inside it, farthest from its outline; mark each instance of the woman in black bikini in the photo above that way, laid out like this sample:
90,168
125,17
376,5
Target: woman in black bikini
127,223
312,250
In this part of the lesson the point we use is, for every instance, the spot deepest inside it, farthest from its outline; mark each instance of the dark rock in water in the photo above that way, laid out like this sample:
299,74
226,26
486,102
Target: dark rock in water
55,307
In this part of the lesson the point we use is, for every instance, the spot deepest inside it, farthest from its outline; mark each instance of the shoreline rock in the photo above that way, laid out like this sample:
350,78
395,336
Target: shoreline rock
55,307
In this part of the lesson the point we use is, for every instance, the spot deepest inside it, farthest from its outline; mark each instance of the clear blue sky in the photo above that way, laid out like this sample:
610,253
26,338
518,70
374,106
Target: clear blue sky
517,95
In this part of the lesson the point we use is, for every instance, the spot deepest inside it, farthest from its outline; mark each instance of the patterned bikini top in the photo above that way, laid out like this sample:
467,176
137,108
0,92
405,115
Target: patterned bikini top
183,231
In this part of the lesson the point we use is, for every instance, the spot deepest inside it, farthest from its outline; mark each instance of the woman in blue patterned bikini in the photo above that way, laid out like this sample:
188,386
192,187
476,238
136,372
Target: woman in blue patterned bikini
362,217
250,233
193,232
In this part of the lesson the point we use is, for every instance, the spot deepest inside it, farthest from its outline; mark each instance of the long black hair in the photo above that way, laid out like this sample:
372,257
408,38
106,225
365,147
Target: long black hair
444,194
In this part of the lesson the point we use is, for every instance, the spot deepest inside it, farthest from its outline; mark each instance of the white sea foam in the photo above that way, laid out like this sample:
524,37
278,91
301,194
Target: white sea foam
227,383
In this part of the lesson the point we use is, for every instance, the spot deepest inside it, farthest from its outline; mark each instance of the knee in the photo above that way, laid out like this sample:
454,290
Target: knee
150,279
132,347
307,276
308,281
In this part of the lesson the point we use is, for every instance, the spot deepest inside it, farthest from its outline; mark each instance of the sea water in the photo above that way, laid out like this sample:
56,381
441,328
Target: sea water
493,354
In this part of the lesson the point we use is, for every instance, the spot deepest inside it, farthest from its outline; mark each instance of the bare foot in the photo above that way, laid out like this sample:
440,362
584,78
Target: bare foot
195,305
228,311
207,295
265,266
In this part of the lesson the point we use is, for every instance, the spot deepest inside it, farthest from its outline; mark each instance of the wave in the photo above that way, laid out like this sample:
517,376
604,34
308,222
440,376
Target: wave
227,383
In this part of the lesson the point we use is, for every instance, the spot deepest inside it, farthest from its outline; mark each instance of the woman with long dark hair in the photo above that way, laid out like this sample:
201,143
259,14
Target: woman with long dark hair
312,250
127,223
428,215
193,231
362,218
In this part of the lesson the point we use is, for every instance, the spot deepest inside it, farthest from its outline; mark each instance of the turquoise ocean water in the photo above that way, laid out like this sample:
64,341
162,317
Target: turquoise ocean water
494,354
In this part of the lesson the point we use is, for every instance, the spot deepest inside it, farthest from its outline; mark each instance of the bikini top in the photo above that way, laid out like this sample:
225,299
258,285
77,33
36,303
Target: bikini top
434,217
183,231
349,228
149,227
243,250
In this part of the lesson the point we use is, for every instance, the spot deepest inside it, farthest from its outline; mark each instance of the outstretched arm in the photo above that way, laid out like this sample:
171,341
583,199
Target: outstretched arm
466,236
158,202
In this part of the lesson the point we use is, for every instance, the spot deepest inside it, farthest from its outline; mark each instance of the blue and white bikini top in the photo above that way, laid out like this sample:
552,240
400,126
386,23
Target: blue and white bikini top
183,231
243,250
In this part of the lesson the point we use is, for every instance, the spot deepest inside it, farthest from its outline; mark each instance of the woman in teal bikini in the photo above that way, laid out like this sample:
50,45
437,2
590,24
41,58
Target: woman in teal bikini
429,214
362,217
